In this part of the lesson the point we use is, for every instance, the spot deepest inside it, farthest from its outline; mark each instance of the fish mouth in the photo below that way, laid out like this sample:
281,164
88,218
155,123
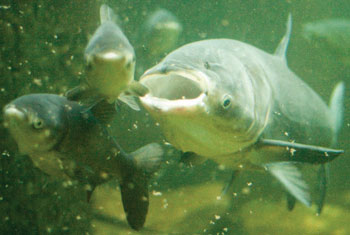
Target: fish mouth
13,115
112,56
175,91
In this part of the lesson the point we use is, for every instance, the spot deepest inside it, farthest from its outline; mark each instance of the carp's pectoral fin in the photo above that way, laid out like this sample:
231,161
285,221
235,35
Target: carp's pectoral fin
303,152
230,183
290,201
135,202
130,101
103,111
84,96
191,159
289,175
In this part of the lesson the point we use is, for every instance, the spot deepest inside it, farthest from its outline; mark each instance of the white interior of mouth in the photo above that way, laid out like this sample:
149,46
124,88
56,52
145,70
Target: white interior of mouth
174,90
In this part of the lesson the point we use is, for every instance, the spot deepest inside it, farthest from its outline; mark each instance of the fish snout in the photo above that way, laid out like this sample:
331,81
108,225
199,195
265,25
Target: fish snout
12,114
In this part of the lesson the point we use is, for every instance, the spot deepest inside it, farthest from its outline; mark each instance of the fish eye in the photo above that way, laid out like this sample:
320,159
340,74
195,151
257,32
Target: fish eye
226,101
38,123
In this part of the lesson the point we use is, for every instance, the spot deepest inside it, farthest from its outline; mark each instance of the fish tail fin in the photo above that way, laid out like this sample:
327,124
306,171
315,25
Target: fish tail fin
337,108
107,14
134,185
282,47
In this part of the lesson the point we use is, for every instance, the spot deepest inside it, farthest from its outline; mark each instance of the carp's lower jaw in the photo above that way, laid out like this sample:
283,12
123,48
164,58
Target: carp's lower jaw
175,91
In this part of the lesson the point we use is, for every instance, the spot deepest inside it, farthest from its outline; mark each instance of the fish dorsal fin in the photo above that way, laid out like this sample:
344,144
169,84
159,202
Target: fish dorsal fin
337,108
281,49
107,14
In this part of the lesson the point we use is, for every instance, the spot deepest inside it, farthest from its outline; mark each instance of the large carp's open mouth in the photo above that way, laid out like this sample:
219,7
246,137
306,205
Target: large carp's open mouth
174,91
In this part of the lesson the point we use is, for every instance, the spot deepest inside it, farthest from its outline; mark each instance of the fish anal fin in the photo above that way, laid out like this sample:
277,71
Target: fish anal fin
302,152
290,177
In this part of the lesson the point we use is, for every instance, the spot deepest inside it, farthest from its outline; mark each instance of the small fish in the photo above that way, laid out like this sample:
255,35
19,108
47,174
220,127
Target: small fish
66,141
243,108
110,65
160,33
330,34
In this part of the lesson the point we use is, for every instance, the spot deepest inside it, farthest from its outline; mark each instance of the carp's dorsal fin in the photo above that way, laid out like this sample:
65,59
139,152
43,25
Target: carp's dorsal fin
336,105
107,14
303,152
281,49
289,175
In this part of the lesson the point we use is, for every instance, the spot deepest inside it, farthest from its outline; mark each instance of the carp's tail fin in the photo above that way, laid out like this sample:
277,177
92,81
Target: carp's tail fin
135,179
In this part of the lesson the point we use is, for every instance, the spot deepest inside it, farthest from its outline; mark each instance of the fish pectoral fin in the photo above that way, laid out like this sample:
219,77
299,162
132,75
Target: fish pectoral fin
148,158
191,158
229,184
84,96
103,111
77,93
136,89
289,175
135,201
303,152
130,101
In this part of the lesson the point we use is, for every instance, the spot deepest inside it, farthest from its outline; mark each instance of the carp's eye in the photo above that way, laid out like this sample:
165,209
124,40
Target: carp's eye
226,101
38,123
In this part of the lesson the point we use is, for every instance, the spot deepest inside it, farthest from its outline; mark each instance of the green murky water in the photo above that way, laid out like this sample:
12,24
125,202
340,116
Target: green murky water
41,50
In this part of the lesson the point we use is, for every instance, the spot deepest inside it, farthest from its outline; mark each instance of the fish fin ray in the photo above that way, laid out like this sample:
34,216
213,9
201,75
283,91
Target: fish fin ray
282,47
289,175
303,152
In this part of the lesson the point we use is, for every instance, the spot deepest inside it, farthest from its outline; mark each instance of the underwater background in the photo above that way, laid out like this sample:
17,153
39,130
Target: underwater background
41,51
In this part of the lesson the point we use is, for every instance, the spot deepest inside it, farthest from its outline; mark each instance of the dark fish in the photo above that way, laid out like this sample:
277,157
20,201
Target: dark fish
65,140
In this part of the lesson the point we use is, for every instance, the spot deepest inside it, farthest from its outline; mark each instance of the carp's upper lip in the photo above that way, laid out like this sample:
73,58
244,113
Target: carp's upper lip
12,113
175,90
